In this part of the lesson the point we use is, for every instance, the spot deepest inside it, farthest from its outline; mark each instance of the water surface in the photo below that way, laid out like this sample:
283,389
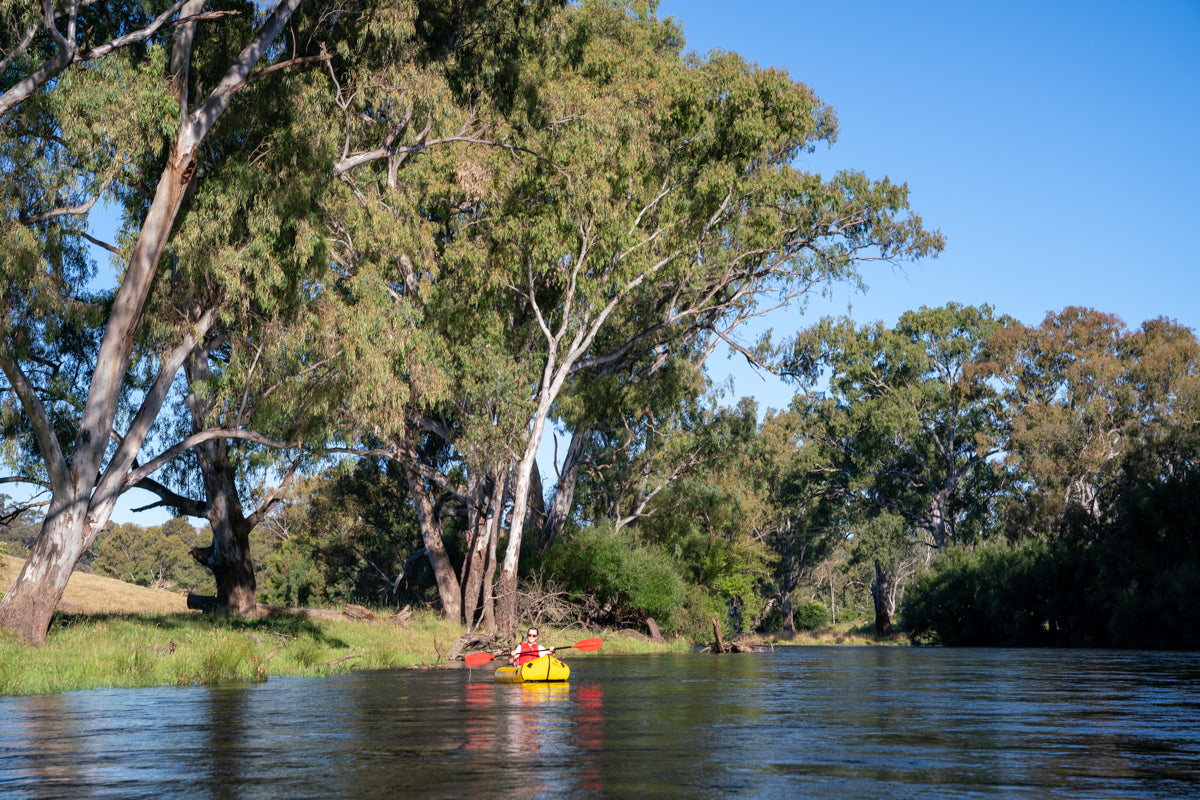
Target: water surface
798,722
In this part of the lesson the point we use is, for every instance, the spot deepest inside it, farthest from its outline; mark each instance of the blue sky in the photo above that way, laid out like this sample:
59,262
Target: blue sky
1056,145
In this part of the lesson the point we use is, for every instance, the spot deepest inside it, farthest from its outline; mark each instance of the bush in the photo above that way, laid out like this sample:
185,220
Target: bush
810,615
615,570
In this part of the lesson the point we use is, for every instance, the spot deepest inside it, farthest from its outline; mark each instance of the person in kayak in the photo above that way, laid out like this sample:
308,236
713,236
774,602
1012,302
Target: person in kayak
529,649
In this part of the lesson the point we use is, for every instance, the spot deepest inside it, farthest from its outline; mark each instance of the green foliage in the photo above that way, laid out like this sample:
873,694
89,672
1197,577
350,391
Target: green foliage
911,424
351,537
807,615
292,578
1131,583
159,556
1104,443
810,615
612,569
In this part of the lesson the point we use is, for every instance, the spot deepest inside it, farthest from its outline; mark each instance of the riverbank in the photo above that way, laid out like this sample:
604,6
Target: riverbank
89,651
854,633
110,634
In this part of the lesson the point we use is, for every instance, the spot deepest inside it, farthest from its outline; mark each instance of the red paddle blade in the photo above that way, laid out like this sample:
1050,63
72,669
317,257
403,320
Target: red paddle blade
587,644
476,659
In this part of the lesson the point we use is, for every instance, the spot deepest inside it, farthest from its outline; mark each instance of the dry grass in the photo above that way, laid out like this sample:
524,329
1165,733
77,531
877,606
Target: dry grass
850,633
93,594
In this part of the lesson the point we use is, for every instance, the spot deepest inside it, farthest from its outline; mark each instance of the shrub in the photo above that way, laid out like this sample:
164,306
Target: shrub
614,569
810,615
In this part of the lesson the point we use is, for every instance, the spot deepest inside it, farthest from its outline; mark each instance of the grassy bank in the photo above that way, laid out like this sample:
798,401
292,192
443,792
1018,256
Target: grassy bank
856,633
112,634
85,651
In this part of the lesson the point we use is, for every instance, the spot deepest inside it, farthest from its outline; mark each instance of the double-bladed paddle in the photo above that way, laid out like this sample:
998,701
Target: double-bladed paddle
587,645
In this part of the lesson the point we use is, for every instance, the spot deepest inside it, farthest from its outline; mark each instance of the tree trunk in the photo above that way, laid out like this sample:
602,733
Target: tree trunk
786,601
787,608
881,593
449,589
485,504
30,602
564,492
506,587
228,557
229,561
488,621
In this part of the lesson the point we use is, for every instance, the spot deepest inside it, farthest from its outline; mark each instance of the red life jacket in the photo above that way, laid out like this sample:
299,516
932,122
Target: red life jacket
529,652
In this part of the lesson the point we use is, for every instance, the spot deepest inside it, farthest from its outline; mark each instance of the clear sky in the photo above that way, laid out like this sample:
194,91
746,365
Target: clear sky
1056,145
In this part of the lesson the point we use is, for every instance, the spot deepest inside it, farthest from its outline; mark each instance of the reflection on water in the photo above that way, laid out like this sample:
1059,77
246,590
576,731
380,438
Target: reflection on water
810,722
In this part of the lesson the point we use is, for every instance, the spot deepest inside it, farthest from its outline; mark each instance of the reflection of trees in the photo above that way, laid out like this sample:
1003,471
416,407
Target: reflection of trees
35,740
225,732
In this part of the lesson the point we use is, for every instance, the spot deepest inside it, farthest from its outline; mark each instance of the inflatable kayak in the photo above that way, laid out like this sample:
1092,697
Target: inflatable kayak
546,668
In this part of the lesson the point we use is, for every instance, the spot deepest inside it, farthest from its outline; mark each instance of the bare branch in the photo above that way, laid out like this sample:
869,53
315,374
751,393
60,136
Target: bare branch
173,452
189,506
76,210
43,426
66,52
275,496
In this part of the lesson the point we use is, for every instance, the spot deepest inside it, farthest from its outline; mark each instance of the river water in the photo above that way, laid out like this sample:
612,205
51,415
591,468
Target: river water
812,722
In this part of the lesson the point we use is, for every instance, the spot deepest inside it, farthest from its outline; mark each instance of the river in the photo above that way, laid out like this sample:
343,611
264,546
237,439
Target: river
812,722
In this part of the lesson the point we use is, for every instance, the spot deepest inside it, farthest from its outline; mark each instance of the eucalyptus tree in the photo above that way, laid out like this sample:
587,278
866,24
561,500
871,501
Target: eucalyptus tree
404,79
664,210
418,139
910,427
806,520
77,120
393,76
1103,448
1083,393
710,508
248,244
629,202
910,423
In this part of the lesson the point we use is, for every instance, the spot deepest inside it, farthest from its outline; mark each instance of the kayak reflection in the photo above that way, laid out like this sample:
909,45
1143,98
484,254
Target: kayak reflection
551,734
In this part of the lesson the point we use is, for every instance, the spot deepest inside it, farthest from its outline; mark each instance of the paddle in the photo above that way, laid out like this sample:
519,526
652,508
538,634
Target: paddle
587,645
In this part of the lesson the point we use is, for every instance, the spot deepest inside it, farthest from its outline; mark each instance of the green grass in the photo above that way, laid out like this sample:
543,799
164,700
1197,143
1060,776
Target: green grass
92,651
86,651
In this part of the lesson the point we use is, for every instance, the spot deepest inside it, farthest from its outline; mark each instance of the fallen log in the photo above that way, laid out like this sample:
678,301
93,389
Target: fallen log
722,646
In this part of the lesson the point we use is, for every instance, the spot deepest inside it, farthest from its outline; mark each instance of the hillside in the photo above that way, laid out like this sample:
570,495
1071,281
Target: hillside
93,594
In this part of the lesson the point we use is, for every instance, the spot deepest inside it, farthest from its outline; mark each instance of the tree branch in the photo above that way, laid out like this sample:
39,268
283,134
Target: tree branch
189,506
66,52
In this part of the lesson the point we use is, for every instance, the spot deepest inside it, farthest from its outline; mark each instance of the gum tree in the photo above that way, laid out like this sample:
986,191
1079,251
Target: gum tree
75,119
672,214
647,205
910,427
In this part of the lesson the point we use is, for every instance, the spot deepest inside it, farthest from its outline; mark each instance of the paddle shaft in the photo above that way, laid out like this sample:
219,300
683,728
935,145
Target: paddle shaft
585,645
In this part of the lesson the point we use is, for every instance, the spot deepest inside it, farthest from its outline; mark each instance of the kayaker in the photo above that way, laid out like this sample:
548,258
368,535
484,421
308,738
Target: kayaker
529,649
